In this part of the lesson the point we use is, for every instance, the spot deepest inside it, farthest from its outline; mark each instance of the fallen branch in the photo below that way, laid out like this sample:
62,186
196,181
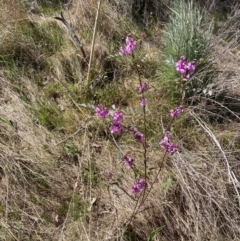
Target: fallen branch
64,21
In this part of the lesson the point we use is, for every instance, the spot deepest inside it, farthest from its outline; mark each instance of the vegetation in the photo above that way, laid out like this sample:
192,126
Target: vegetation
141,144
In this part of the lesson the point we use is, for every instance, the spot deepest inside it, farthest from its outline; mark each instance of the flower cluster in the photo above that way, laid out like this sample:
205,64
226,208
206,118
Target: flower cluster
117,126
138,136
186,69
128,161
130,46
176,111
118,116
101,111
142,88
168,146
138,186
143,101
110,175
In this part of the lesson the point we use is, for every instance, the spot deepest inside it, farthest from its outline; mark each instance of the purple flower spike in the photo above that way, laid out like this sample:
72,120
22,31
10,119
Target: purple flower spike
128,161
168,146
123,51
138,186
186,69
118,116
116,128
130,46
181,65
139,137
142,88
110,175
143,101
192,67
101,111
176,111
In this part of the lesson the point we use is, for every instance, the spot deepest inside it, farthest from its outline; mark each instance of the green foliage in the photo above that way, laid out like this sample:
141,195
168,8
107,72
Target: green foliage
71,149
49,7
168,183
25,50
90,175
50,116
47,216
53,90
110,91
130,234
63,209
70,69
71,153
187,33
1,208
154,232
46,37
26,41
78,208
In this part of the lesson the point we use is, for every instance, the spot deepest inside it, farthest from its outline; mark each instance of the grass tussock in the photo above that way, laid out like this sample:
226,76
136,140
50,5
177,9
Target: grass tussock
56,155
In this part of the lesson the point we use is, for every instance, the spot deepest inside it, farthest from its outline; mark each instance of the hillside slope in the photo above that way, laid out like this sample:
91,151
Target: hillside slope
64,175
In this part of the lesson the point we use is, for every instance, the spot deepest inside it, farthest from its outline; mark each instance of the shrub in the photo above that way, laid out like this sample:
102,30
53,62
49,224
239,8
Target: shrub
187,33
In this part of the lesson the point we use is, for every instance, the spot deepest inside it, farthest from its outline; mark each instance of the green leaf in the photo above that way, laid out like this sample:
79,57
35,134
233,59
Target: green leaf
154,232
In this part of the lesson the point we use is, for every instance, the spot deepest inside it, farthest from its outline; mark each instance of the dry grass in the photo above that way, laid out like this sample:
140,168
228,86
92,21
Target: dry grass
53,181
226,53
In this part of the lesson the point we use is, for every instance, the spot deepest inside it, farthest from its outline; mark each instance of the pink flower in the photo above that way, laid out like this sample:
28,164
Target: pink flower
181,65
116,128
191,66
186,69
139,137
143,101
129,47
101,111
123,51
118,116
142,88
176,111
110,175
128,161
168,146
138,186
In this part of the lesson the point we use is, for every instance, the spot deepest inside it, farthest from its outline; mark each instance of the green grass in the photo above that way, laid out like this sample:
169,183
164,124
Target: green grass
187,33
78,208
50,116
26,48
50,7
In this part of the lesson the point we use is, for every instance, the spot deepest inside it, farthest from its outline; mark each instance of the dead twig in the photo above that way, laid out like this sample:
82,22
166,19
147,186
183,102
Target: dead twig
93,43
64,21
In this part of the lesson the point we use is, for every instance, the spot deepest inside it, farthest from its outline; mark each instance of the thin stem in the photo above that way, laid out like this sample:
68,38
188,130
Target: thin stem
144,198
145,130
135,210
181,90
145,150
93,43
126,193
155,179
